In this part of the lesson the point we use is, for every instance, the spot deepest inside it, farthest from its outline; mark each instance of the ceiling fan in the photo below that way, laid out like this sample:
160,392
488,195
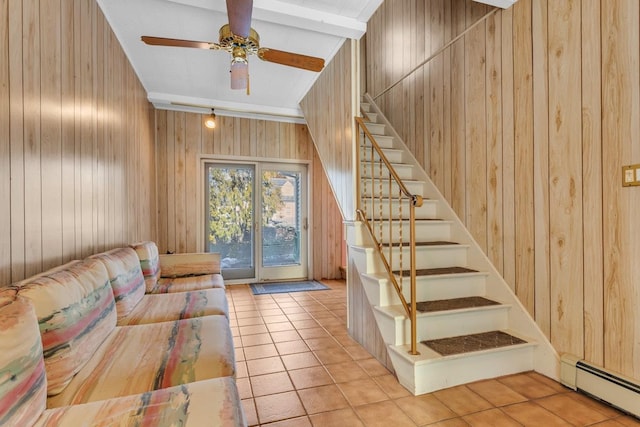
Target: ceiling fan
238,38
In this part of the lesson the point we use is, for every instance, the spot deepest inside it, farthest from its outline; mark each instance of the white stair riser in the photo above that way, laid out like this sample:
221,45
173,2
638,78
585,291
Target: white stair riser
449,372
381,291
428,256
442,325
428,210
426,231
365,106
392,155
384,141
372,117
375,128
403,171
414,187
444,287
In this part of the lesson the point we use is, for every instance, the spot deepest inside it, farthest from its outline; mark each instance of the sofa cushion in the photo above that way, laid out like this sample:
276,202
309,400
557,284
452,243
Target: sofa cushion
166,285
213,402
125,275
23,384
142,358
175,306
76,313
149,262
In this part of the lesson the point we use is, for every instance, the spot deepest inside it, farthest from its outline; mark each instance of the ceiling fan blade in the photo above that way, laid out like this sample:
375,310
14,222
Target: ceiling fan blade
239,14
297,60
162,41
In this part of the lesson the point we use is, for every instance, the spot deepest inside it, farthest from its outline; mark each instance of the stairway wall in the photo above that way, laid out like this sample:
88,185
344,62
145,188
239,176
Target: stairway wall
327,108
524,125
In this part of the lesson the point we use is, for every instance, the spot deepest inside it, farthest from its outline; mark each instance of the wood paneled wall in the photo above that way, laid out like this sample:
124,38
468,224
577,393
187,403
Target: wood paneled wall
524,124
327,109
182,138
76,138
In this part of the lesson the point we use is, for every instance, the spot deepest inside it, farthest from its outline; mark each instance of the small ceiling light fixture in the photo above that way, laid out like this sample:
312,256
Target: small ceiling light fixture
210,122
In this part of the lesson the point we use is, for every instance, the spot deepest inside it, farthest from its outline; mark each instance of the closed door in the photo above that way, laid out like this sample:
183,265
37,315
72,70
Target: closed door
264,244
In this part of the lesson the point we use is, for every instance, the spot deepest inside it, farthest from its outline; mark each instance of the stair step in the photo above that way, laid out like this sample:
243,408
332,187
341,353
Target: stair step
384,141
454,304
404,171
472,342
437,271
436,243
413,186
430,371
375,128
365,106
428,210
395,326
426,229
427,257
393,155
371,117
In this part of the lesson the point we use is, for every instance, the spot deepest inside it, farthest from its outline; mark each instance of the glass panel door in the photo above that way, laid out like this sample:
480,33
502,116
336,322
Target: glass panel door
284,222
229,227
232,227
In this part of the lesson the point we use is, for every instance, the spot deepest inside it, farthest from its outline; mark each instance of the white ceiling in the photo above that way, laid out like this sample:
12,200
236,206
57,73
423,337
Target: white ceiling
174,76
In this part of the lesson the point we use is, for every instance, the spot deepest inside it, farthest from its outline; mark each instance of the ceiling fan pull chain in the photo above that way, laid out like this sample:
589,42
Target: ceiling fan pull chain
248,86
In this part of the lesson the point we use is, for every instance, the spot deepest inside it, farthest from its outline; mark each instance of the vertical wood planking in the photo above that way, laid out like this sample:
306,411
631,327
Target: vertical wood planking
162,180
193,138
508,154
523,140
179,197
32,138
495,237
476,133
5,153
51,133
457,71
565,178
62,111
592,182
436,96
541,163
619,126
330,126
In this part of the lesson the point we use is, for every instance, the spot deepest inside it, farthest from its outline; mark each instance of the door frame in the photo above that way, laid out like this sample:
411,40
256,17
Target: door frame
200,231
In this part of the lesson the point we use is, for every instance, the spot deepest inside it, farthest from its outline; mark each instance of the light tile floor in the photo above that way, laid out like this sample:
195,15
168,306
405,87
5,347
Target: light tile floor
297,366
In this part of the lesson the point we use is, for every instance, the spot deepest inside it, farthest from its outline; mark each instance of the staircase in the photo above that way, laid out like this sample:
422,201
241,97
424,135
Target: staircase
469,324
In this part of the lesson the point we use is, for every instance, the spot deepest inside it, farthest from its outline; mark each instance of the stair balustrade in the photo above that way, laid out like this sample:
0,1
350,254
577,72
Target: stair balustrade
375,173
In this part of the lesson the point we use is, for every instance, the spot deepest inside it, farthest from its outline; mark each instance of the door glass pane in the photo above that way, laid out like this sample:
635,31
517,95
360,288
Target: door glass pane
280,218
229,212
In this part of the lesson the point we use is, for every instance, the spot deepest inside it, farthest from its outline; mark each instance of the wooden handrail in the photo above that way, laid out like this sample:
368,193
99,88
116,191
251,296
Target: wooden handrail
414,201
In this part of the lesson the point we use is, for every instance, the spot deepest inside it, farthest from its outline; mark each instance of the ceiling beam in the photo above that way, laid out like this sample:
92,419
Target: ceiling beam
281,13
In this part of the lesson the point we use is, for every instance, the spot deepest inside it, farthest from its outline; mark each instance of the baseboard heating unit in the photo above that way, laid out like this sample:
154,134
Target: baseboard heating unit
610,387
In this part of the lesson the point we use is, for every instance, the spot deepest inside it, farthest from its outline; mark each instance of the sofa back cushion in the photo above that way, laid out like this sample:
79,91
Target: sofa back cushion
149,262
76,313
125,275
23,384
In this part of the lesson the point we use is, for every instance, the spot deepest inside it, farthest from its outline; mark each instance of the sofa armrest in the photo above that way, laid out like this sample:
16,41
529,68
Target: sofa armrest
191,264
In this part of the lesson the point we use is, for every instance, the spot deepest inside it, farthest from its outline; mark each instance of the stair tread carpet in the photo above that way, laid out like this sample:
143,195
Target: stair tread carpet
434,243
436,271
473,342
454,304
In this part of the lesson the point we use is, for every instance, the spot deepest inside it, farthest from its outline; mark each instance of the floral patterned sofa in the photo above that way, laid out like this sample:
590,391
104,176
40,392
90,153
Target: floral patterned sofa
83,344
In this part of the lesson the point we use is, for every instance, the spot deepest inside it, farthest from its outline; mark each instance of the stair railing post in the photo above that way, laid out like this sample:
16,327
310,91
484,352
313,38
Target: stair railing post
412,246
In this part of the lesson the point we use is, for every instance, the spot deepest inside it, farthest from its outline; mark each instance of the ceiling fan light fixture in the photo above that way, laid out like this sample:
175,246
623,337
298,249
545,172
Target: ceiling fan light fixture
239,73
210,122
